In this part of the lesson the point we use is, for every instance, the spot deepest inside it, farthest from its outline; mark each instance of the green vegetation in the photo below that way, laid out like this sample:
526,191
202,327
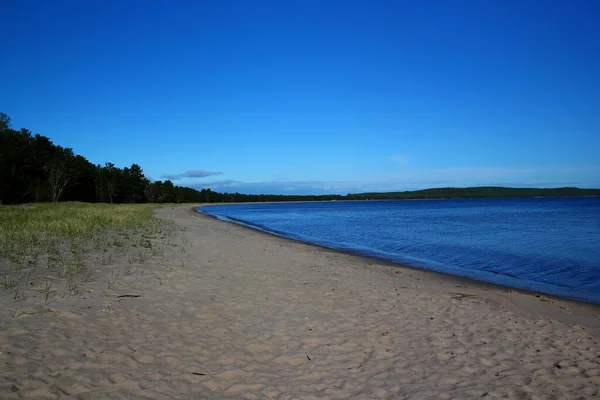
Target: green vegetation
440,193
476,192
48,247
33,169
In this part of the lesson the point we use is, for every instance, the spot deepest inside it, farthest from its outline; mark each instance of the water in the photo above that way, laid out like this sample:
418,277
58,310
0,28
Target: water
549,245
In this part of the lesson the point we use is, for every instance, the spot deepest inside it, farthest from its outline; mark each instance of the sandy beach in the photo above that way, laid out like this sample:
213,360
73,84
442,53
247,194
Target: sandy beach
235,313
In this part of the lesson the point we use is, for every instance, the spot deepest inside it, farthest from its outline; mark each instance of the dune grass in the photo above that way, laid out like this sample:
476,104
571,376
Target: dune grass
44,244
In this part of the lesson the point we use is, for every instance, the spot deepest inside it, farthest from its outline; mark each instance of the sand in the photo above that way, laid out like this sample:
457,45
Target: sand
238,313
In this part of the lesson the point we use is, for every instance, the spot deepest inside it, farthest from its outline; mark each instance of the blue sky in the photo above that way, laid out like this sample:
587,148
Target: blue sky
313,96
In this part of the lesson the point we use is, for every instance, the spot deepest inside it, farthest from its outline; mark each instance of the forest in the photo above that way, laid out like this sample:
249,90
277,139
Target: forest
33,169
477,193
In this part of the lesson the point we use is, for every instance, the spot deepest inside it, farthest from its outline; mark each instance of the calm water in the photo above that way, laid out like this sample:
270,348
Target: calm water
548,245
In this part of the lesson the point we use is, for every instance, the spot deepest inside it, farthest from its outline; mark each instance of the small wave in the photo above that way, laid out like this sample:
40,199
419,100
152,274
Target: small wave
515,244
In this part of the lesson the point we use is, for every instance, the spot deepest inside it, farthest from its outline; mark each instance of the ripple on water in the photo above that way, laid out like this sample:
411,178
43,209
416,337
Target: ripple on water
548,245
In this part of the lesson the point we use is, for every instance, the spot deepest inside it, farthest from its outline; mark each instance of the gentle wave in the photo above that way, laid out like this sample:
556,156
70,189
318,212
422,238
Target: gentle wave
545,245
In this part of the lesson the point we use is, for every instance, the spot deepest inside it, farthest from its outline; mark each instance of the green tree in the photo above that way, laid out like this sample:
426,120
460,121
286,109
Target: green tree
134,183
4,122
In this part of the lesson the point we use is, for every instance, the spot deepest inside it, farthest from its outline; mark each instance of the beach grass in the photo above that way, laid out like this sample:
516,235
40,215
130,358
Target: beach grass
47,246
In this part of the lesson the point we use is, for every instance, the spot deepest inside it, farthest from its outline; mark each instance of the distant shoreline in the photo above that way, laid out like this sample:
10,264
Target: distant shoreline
401,199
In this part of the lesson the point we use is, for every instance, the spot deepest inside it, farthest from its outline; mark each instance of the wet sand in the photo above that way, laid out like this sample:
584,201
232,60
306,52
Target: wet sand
237,313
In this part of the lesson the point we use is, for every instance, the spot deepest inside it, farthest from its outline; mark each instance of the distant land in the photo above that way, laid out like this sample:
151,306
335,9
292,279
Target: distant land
33,169
481,192
435,193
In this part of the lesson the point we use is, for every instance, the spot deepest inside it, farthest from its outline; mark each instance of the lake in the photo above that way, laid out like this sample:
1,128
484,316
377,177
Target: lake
548,245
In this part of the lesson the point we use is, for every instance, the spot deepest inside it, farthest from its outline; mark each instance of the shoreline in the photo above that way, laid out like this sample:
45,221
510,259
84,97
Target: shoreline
227,311
369,258
400,199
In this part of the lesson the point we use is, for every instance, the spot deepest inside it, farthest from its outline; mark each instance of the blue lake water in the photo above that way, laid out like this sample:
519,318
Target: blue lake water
549,245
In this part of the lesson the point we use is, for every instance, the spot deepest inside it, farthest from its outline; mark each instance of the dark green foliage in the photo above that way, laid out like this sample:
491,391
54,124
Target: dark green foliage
33,169
4,122
476,192
440,193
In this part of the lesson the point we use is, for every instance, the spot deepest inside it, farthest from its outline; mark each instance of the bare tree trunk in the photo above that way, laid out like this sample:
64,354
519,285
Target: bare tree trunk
58,180
111,190
150,193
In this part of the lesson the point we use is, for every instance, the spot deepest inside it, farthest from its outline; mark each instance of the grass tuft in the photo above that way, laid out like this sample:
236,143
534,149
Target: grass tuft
43,242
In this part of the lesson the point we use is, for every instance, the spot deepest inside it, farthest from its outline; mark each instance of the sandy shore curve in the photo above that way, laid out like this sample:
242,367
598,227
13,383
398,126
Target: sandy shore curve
238,313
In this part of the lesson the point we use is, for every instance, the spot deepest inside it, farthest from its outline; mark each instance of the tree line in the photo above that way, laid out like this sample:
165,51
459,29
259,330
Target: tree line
478,192
33,169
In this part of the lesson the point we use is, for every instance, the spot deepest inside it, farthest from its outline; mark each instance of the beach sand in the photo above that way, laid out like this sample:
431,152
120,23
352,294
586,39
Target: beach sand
237,313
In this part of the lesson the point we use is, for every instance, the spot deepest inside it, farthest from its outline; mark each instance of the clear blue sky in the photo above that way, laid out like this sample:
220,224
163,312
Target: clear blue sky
313,96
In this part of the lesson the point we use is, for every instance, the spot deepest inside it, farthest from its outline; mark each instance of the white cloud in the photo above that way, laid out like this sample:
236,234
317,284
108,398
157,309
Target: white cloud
196,173
399,159
414,179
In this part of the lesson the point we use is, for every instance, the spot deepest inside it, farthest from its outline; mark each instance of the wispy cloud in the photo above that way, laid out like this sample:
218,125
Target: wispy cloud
195,173
277,186
399,159
412,179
